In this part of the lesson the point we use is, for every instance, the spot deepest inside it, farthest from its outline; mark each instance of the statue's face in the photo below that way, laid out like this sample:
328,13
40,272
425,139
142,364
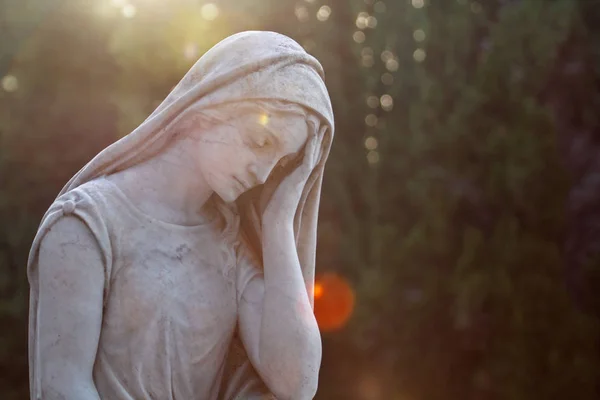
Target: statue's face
241,154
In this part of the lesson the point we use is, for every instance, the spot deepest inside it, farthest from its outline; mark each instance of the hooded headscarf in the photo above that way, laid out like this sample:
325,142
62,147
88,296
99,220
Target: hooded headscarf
248,66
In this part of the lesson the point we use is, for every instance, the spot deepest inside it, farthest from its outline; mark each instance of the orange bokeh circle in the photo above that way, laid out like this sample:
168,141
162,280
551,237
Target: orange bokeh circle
334,301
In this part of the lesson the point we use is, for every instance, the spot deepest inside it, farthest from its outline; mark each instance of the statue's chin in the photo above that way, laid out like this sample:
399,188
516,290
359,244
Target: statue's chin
230,194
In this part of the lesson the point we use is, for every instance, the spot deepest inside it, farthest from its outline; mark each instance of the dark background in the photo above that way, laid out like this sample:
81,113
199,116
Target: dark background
459,227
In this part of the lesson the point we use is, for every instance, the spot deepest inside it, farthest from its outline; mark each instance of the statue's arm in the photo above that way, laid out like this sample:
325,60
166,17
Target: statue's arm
277,324
71,284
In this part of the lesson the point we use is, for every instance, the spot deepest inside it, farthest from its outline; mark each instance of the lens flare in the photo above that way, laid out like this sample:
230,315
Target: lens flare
318,290
334,301
263,119
210,11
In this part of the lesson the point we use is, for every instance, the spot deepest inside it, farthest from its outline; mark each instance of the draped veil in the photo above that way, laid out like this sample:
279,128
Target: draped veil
247,66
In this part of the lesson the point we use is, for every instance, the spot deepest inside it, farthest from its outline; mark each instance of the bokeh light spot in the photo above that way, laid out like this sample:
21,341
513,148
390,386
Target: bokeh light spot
419,55
209,11
419,35
324,13
373,157
359,37
371,120
334,306
392,65
387,79
301,13
380,7
371,143
371,22
386,55
10,83
190,51
361,20
373,101
367,61
387,102
418,3
129,11
318,290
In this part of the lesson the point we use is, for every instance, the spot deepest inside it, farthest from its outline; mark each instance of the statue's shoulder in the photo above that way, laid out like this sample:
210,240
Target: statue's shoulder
96,197
92,204
78,217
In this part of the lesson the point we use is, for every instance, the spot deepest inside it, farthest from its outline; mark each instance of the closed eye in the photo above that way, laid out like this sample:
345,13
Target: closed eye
262,139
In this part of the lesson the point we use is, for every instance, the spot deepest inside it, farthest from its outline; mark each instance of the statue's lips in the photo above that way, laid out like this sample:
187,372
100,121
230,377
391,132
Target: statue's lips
245,183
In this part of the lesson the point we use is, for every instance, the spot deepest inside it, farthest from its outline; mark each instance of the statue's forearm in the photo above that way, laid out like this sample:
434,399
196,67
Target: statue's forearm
290,344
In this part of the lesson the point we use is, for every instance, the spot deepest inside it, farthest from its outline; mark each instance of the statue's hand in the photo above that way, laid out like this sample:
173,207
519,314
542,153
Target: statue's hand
284,200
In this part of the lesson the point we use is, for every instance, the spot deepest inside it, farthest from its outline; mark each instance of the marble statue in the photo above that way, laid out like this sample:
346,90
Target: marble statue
179,262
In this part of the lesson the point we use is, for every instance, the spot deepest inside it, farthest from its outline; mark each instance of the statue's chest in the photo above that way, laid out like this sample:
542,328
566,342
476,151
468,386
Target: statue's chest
180,280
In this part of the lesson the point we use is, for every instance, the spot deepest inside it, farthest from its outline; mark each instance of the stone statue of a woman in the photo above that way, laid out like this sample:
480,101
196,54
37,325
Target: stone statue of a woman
179,262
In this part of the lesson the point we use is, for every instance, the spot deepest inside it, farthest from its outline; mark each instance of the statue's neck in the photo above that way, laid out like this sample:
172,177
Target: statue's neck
168,187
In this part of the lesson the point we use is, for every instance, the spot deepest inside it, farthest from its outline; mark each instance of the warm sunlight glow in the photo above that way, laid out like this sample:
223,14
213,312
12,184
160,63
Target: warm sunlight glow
318,290
190,51
209,11
334,305
263,119
129,11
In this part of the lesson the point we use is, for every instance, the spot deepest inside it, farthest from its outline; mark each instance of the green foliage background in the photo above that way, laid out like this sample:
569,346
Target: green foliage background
451,236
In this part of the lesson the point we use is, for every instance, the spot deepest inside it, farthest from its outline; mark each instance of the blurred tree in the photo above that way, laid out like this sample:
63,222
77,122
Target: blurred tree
446,207
55,114
574,95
